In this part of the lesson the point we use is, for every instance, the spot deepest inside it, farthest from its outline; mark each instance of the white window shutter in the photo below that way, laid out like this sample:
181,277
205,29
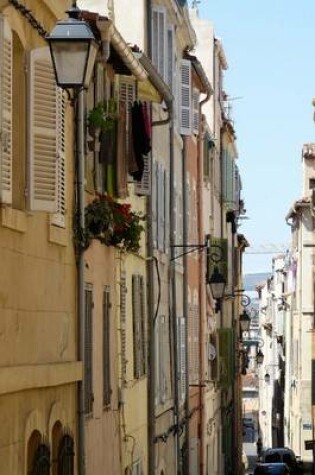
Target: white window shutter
185,97
181,355
159,37
154,209
195,118
58,218
143,188
171,58
43,140
5,112
167,211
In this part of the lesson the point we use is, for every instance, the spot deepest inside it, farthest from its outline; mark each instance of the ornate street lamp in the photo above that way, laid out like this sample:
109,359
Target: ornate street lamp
217,284
245,321
260,357
73,50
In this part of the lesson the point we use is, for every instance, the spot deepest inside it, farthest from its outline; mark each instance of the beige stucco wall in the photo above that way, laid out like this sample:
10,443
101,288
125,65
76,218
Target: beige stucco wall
38,355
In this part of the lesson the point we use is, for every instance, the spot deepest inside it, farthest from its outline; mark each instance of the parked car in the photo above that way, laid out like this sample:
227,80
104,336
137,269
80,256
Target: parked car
272,469
283,455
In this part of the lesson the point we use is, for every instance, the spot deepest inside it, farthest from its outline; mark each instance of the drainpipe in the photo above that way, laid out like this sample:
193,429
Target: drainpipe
186,459
173,303
80,273
202,289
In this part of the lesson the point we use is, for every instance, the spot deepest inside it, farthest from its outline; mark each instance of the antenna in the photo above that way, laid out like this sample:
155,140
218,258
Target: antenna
195,3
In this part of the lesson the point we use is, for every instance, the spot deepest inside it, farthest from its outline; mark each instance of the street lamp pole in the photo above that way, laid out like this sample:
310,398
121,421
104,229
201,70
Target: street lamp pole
73,51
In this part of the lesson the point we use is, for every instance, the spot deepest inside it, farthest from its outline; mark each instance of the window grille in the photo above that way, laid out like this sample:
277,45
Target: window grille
41,463
66,456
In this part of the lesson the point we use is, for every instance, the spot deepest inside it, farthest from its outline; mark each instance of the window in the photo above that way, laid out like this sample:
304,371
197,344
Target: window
88,352
171,59
66,456
138,312
194,328
159,40
38,455
106,347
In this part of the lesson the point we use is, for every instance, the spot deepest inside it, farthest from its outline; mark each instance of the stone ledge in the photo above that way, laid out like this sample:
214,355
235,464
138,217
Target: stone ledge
13,219
21,378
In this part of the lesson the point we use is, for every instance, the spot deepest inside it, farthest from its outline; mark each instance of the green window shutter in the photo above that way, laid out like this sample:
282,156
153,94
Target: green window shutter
225,357
139,326
43,142
5,112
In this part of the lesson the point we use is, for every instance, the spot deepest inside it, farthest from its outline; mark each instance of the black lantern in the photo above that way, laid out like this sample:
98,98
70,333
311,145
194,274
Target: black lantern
267,378
244,321
217,284
73,50
260,357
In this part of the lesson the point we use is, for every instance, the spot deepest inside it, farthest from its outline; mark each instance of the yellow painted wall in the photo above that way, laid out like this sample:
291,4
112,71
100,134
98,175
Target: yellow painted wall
38,357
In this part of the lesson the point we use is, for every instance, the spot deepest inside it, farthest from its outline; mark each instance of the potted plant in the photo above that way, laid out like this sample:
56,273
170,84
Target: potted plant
96,120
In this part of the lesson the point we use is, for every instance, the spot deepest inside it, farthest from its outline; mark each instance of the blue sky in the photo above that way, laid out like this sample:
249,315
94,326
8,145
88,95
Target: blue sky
270,49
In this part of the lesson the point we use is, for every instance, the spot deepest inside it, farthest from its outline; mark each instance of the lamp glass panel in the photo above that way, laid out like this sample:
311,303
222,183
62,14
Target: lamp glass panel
70,61
217,289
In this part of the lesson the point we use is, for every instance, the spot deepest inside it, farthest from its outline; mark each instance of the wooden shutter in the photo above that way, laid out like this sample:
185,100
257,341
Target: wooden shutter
237,188
59,217
138,312
123,331
195,118
43,140
167,211
88,352
127,94
159,40
181,356
5,112
162,342
161,209
170,57
154,209
143,188
185,98
106,347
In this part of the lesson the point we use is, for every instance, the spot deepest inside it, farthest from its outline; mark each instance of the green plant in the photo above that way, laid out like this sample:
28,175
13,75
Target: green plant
96,117
113,224
103,116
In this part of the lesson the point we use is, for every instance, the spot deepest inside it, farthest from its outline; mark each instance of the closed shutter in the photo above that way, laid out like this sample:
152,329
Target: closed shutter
206,158
162,342
188,212
167,211
123,331
138,312
195,341
58,218
5,112
159,40
161,209
127,94
106,347
43,142
155,203
185,98
88,352
194,217
143,188
181,356
237,188
170,58
195,101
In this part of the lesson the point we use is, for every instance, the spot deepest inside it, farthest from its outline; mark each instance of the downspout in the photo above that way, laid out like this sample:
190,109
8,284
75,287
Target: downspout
185,308
202,289
173,302
80,274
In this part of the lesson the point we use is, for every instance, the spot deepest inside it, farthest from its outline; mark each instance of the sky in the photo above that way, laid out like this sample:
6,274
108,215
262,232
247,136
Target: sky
270,50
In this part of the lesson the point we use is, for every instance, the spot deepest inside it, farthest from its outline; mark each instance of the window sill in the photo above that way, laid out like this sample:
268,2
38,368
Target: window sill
57,235
13,219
